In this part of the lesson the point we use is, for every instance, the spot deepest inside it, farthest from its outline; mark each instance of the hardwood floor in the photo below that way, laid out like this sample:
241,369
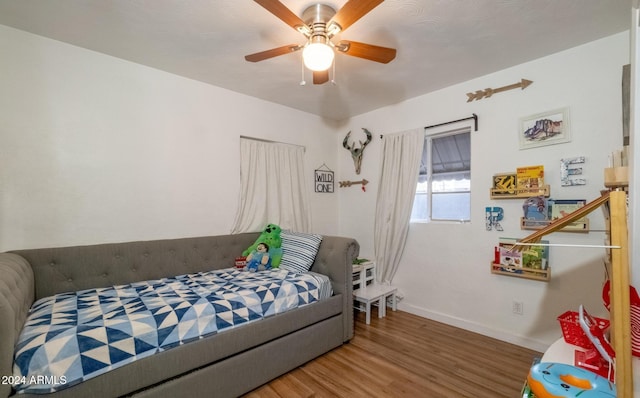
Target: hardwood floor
404,355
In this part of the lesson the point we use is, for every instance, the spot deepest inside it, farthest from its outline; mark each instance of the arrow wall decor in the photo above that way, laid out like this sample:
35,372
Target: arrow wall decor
350,183
488,92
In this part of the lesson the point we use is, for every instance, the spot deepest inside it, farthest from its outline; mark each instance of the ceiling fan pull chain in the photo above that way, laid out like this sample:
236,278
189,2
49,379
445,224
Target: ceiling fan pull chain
333,74
302,82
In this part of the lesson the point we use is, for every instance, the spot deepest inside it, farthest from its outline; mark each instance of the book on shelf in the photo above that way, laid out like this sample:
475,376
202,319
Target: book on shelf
536,257
530,178
563,207
533,257
536,211
504,184
509,254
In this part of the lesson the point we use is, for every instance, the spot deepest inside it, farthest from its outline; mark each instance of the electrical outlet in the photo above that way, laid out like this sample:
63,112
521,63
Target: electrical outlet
518,307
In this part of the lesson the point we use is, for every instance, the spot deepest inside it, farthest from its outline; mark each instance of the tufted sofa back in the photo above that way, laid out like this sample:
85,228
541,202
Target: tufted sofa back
66,269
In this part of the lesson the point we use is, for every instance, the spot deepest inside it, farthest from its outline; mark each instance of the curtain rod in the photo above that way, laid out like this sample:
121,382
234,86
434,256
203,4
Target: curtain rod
273,142
474,117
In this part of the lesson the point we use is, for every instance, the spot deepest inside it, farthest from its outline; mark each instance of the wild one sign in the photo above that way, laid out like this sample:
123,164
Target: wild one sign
324,180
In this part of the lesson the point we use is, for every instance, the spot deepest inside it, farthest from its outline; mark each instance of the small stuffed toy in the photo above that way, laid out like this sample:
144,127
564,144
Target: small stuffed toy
259,259
271,237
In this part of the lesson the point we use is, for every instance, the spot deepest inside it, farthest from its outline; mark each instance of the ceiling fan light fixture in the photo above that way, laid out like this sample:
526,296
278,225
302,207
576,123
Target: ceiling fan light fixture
318,56
320,23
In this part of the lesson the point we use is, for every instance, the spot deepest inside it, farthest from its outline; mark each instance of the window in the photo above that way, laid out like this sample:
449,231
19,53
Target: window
443,191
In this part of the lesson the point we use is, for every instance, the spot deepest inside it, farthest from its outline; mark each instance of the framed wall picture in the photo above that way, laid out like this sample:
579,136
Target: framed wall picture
546,128
323,179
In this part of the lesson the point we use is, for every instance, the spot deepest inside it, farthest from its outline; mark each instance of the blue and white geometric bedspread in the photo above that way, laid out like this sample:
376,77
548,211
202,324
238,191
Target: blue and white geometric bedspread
71,337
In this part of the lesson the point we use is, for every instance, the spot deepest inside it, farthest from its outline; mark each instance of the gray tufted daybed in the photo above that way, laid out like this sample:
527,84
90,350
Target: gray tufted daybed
226,364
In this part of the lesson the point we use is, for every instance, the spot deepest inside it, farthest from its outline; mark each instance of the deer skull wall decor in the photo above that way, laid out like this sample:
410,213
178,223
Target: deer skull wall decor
356,153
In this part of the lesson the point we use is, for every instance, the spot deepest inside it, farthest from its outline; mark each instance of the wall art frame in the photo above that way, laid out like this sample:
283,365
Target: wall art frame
323,179
545,128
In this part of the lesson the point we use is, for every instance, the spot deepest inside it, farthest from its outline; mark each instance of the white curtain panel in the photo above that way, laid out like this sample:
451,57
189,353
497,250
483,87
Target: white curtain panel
272,187
401,154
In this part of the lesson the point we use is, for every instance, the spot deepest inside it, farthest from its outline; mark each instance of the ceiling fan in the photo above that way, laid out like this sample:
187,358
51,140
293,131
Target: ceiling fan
319,23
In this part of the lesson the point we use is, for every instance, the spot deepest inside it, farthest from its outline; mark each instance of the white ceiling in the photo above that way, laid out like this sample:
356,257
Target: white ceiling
439,42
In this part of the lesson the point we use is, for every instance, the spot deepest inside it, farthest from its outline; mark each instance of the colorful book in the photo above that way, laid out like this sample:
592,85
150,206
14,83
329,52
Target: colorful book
530,178
510,256
536,211
563,207
534,257
559,208
504,184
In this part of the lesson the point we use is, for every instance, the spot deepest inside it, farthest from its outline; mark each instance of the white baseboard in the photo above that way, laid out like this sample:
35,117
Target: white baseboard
522,341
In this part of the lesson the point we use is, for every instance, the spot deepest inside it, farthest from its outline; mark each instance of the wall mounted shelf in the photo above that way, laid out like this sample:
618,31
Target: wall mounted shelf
521,193
576,226
543,275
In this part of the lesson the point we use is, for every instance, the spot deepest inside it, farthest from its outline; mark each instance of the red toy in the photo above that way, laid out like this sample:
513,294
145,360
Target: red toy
635,315
598,360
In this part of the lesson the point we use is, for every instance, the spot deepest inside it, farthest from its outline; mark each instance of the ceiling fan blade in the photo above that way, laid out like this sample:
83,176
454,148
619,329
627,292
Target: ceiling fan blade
367,51
352,11
274,52
321,77
281,11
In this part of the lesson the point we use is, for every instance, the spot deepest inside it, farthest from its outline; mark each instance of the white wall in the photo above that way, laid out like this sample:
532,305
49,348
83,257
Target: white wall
444,273
98,149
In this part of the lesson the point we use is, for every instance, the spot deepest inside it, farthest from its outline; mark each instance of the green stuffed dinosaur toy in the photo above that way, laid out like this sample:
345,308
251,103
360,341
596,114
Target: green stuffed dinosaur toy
271,236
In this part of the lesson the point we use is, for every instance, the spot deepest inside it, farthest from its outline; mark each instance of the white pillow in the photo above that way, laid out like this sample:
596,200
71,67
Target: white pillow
299,250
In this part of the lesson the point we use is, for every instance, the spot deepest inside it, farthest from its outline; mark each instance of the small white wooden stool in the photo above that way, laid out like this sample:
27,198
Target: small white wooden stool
370,294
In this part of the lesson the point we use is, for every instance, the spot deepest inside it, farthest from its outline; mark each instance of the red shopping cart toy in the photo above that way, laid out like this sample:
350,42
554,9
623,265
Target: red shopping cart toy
588,332
599,360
